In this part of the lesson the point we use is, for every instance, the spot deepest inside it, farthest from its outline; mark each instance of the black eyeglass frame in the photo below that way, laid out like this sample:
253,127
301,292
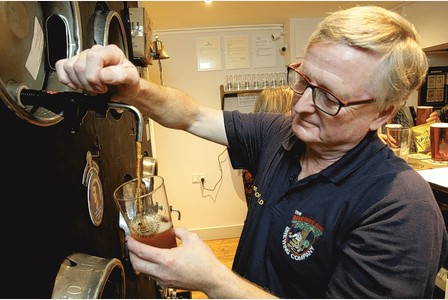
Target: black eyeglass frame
342,102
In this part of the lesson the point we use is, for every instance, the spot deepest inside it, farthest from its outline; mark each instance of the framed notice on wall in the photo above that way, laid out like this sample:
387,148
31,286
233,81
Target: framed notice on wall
434,91
209,53
237,52
264,53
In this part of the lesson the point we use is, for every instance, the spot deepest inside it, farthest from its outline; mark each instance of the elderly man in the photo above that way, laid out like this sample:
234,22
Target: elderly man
336,213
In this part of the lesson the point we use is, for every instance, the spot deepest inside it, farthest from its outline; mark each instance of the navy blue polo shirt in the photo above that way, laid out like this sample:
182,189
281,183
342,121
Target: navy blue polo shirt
367,226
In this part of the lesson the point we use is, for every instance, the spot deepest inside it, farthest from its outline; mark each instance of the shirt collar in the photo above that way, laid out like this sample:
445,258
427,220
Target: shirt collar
351,161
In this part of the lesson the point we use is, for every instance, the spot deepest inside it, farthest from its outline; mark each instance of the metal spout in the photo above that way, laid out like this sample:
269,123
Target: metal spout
137,114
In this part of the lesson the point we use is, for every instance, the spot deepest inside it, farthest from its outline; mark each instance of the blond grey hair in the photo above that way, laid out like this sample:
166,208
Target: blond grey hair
275,99
403,65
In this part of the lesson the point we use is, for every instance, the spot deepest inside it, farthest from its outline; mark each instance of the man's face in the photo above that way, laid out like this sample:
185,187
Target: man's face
346,72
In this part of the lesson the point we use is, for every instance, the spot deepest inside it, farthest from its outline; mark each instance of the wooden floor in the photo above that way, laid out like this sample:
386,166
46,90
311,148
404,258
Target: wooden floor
225,250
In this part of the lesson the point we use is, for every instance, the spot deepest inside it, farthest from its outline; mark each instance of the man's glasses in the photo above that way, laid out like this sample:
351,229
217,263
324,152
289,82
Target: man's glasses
323,99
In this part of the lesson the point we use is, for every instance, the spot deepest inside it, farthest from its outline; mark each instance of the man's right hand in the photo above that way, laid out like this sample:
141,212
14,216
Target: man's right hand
98,70
433,117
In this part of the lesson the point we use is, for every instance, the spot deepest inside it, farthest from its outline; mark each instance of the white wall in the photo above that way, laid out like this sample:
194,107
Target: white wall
430,20
217,214
299,32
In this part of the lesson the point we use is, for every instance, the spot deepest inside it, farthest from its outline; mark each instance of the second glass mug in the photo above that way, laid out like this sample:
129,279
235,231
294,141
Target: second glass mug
144,206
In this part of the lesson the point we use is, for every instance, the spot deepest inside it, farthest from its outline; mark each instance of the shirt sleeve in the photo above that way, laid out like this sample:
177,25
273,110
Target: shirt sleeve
395,249
248,135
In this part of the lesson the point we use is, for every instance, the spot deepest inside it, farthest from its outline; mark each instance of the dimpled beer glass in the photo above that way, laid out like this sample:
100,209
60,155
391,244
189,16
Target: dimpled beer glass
144,205
399,140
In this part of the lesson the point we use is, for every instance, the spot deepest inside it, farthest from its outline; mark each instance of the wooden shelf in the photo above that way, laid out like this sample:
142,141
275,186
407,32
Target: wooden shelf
234,93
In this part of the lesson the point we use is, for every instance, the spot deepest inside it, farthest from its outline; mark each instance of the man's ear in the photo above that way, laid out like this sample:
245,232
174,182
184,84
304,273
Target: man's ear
383,117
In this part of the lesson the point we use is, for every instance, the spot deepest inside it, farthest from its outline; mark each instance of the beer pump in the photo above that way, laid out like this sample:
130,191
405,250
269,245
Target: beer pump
73,106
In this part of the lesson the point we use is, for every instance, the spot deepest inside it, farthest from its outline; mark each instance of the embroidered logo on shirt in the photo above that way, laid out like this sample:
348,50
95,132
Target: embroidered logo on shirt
258,195
298,239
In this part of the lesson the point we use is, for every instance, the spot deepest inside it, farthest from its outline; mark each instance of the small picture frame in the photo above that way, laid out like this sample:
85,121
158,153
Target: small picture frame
434,90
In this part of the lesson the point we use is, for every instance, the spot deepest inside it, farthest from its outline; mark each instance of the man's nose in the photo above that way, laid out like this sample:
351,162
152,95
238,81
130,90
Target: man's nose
304,103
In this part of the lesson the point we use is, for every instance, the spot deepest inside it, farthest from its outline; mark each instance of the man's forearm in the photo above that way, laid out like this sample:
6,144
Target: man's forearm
229,285
168,107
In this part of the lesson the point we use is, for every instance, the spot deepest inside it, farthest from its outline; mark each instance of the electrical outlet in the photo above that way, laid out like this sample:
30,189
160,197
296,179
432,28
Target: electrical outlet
197,178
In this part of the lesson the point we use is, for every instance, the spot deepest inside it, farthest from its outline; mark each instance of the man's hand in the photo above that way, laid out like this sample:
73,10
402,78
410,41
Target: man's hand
98,70
192,265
